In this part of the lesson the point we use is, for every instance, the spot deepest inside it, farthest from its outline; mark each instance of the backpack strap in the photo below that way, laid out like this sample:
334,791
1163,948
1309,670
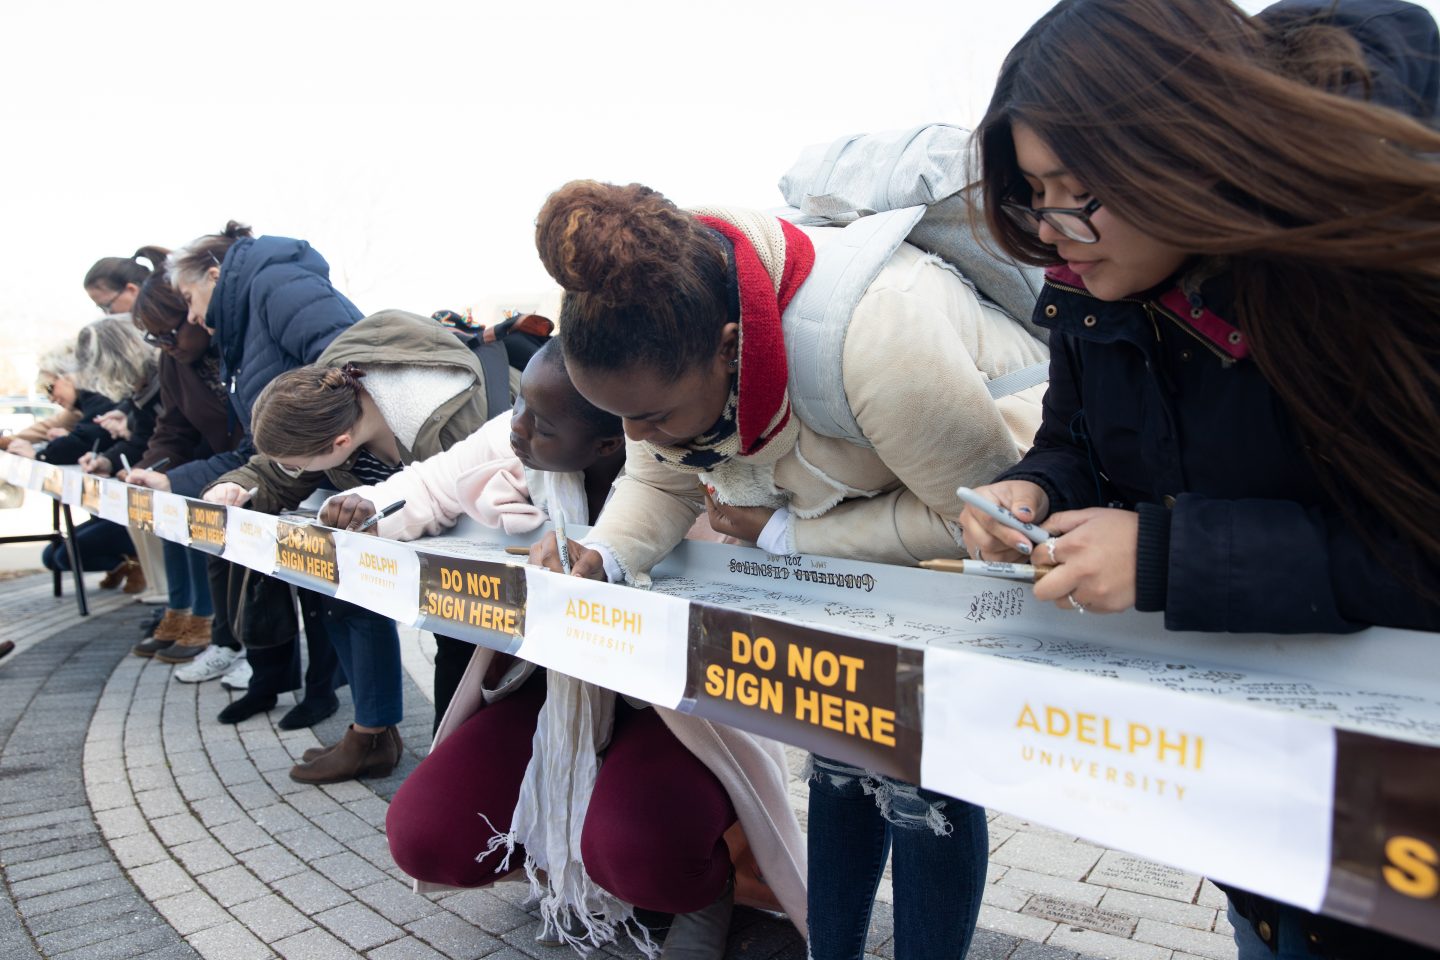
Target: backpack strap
495,364
818,317
1018,380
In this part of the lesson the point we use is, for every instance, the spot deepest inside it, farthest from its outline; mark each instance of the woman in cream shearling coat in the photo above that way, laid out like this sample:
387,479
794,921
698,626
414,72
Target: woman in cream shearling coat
672,321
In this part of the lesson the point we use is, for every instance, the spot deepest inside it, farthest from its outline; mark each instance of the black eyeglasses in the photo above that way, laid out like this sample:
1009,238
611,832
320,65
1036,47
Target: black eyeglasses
1071,222
161,339
105,307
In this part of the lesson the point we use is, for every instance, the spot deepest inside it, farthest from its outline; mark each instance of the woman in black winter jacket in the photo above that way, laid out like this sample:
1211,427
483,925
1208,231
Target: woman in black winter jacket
1241,223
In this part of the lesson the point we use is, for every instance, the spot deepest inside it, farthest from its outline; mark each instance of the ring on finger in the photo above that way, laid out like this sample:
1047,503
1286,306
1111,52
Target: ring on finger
1075,605
1050,546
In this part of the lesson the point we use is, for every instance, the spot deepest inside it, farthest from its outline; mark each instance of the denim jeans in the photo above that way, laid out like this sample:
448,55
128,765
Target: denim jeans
101,545
941,849
369,651
185,573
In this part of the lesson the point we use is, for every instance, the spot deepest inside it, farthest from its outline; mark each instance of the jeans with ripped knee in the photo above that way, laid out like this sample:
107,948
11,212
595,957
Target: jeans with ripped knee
940,846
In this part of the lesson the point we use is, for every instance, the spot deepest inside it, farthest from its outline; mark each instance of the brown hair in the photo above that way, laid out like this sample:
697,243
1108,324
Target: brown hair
113,273
645,282
190,262
160,303
302,411
1231,138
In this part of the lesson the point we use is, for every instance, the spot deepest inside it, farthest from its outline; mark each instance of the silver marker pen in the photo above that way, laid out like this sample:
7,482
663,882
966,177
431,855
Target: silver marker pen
997,512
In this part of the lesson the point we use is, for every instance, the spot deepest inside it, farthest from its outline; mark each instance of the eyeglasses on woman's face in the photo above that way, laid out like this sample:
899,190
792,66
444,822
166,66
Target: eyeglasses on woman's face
161,339
1070,222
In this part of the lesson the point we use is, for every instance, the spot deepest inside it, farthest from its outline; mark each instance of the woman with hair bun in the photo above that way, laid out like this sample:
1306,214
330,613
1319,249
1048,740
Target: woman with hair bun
392,389
269,305
1240,217
672,321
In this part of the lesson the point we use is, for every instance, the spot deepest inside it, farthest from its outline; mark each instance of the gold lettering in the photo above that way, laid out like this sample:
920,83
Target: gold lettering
1412,867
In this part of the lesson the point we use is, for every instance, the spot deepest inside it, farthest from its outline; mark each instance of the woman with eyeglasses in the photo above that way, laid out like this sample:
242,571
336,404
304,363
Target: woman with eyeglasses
107,360
194,424
269,306
1240,217
113,283
114,370
394,389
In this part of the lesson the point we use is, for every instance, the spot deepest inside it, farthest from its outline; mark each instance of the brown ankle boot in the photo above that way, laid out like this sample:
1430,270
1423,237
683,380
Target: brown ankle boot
357,755
134,578
315,753
115,577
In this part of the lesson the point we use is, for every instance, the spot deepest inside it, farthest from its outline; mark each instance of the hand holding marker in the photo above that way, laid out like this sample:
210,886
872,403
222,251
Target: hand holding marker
990,568
996,512
379,515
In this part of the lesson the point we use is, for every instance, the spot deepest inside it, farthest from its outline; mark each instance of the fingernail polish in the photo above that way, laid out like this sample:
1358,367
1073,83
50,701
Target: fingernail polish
1022,511
1023,547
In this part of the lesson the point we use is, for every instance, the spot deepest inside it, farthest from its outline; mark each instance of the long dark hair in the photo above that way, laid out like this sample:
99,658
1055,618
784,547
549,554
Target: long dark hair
160,303
1232,138
645,282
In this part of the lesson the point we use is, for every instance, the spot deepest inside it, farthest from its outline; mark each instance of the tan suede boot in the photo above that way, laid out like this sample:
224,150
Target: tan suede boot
357,755
113,578
167,632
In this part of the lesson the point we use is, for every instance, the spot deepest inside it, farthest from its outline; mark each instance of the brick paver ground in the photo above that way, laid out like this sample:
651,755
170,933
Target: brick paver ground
133,824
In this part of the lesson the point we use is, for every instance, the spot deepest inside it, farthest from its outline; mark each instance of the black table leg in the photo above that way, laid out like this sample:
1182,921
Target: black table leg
74,552
56,539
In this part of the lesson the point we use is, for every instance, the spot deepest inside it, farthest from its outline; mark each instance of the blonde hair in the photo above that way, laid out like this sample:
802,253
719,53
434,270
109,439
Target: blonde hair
112,359
56,361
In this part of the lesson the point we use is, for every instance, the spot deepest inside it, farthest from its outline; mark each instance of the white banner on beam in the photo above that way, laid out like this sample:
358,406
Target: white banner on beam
632,641
1237,793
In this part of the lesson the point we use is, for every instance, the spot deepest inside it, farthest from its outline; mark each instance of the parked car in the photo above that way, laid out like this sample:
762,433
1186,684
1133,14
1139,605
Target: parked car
17,413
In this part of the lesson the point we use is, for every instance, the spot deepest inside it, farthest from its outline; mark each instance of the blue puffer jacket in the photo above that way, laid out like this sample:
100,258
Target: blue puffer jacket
273,309
1155,405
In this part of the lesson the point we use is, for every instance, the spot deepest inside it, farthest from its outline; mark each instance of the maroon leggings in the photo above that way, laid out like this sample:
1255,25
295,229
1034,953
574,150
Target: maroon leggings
653,836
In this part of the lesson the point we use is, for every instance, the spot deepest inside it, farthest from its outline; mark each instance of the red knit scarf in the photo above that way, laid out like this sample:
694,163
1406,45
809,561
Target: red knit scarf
763,409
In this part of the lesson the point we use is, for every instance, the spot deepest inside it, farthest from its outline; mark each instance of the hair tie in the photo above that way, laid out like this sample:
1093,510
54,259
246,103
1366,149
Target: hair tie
351,375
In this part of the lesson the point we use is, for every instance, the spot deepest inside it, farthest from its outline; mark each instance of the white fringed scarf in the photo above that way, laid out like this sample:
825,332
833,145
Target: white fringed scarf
574,727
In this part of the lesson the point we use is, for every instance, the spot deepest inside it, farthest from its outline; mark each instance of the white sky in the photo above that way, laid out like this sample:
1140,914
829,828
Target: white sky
412,143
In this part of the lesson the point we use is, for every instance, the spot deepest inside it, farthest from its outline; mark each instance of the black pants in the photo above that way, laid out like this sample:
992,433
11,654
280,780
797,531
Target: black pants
276,668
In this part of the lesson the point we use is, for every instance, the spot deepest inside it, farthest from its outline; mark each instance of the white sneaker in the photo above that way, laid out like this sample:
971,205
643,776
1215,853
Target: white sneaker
214,662
239,676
